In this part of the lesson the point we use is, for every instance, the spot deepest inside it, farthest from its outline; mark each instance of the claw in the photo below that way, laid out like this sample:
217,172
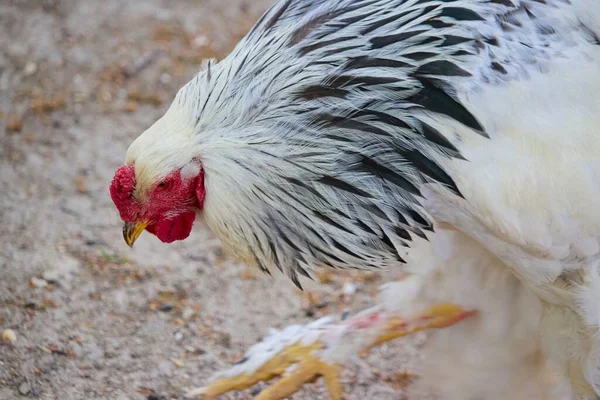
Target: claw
309,352
308,368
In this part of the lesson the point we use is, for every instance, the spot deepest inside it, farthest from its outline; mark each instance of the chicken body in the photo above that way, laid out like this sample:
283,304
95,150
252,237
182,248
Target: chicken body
341,132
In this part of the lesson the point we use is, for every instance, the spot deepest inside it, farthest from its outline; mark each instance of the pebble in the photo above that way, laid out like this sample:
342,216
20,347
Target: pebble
178,363
8,335
94,352
187,312
165,78
349,288
38,282
30,68
24,388
62,270
165,368
76,348
224,340
51,276
200,41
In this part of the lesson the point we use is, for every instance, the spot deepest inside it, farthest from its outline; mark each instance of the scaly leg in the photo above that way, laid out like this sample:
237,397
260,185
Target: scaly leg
302,353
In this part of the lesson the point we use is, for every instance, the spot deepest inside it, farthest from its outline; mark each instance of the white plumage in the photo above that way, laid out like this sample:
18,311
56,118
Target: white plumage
344,133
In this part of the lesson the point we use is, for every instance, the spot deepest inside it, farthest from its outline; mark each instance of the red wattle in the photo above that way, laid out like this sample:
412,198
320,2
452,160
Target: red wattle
170,230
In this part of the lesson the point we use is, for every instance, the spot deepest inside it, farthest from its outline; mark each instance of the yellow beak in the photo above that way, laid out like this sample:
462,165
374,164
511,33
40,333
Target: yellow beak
133,230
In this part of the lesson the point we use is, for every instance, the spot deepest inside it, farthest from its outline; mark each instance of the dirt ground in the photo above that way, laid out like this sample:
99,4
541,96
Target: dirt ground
79,80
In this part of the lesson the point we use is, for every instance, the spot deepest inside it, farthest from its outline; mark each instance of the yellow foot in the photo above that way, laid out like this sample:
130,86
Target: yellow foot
301,354
438,316
308,367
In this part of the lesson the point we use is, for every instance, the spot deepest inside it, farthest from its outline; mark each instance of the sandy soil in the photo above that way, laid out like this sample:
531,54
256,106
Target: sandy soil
95,320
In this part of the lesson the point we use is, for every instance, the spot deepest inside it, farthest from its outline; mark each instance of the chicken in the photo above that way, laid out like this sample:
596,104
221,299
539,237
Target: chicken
456,139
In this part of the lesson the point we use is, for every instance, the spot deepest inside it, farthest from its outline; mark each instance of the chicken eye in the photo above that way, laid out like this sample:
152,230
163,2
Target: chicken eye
162,185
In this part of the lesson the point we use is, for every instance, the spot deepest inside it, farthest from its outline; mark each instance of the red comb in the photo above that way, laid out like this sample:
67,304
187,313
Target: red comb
121,188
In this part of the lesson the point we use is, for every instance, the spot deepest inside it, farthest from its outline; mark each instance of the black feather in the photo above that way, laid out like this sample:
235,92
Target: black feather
418,218
367,164
420,55
346,80
294,276
347,123
461,14
452,40
434,136
402,233
330,221
437,100
437,24
382,41
373,209
374,62
441,68
343,248
318,91
382,22
430,168
345,186
318,45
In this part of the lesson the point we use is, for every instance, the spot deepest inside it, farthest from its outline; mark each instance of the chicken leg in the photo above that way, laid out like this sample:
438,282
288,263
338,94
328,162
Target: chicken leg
301,354
494,355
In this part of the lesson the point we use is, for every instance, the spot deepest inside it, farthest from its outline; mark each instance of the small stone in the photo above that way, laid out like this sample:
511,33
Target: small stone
224,340
30,68
51,276
349,289
178,363
93,351
165,368
130,107
178,336
165,78
76,348
25,388
10,336
248,273
38,283
200,41
78,80
325,277
187,312
14,123
61,270
80,184
45,349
